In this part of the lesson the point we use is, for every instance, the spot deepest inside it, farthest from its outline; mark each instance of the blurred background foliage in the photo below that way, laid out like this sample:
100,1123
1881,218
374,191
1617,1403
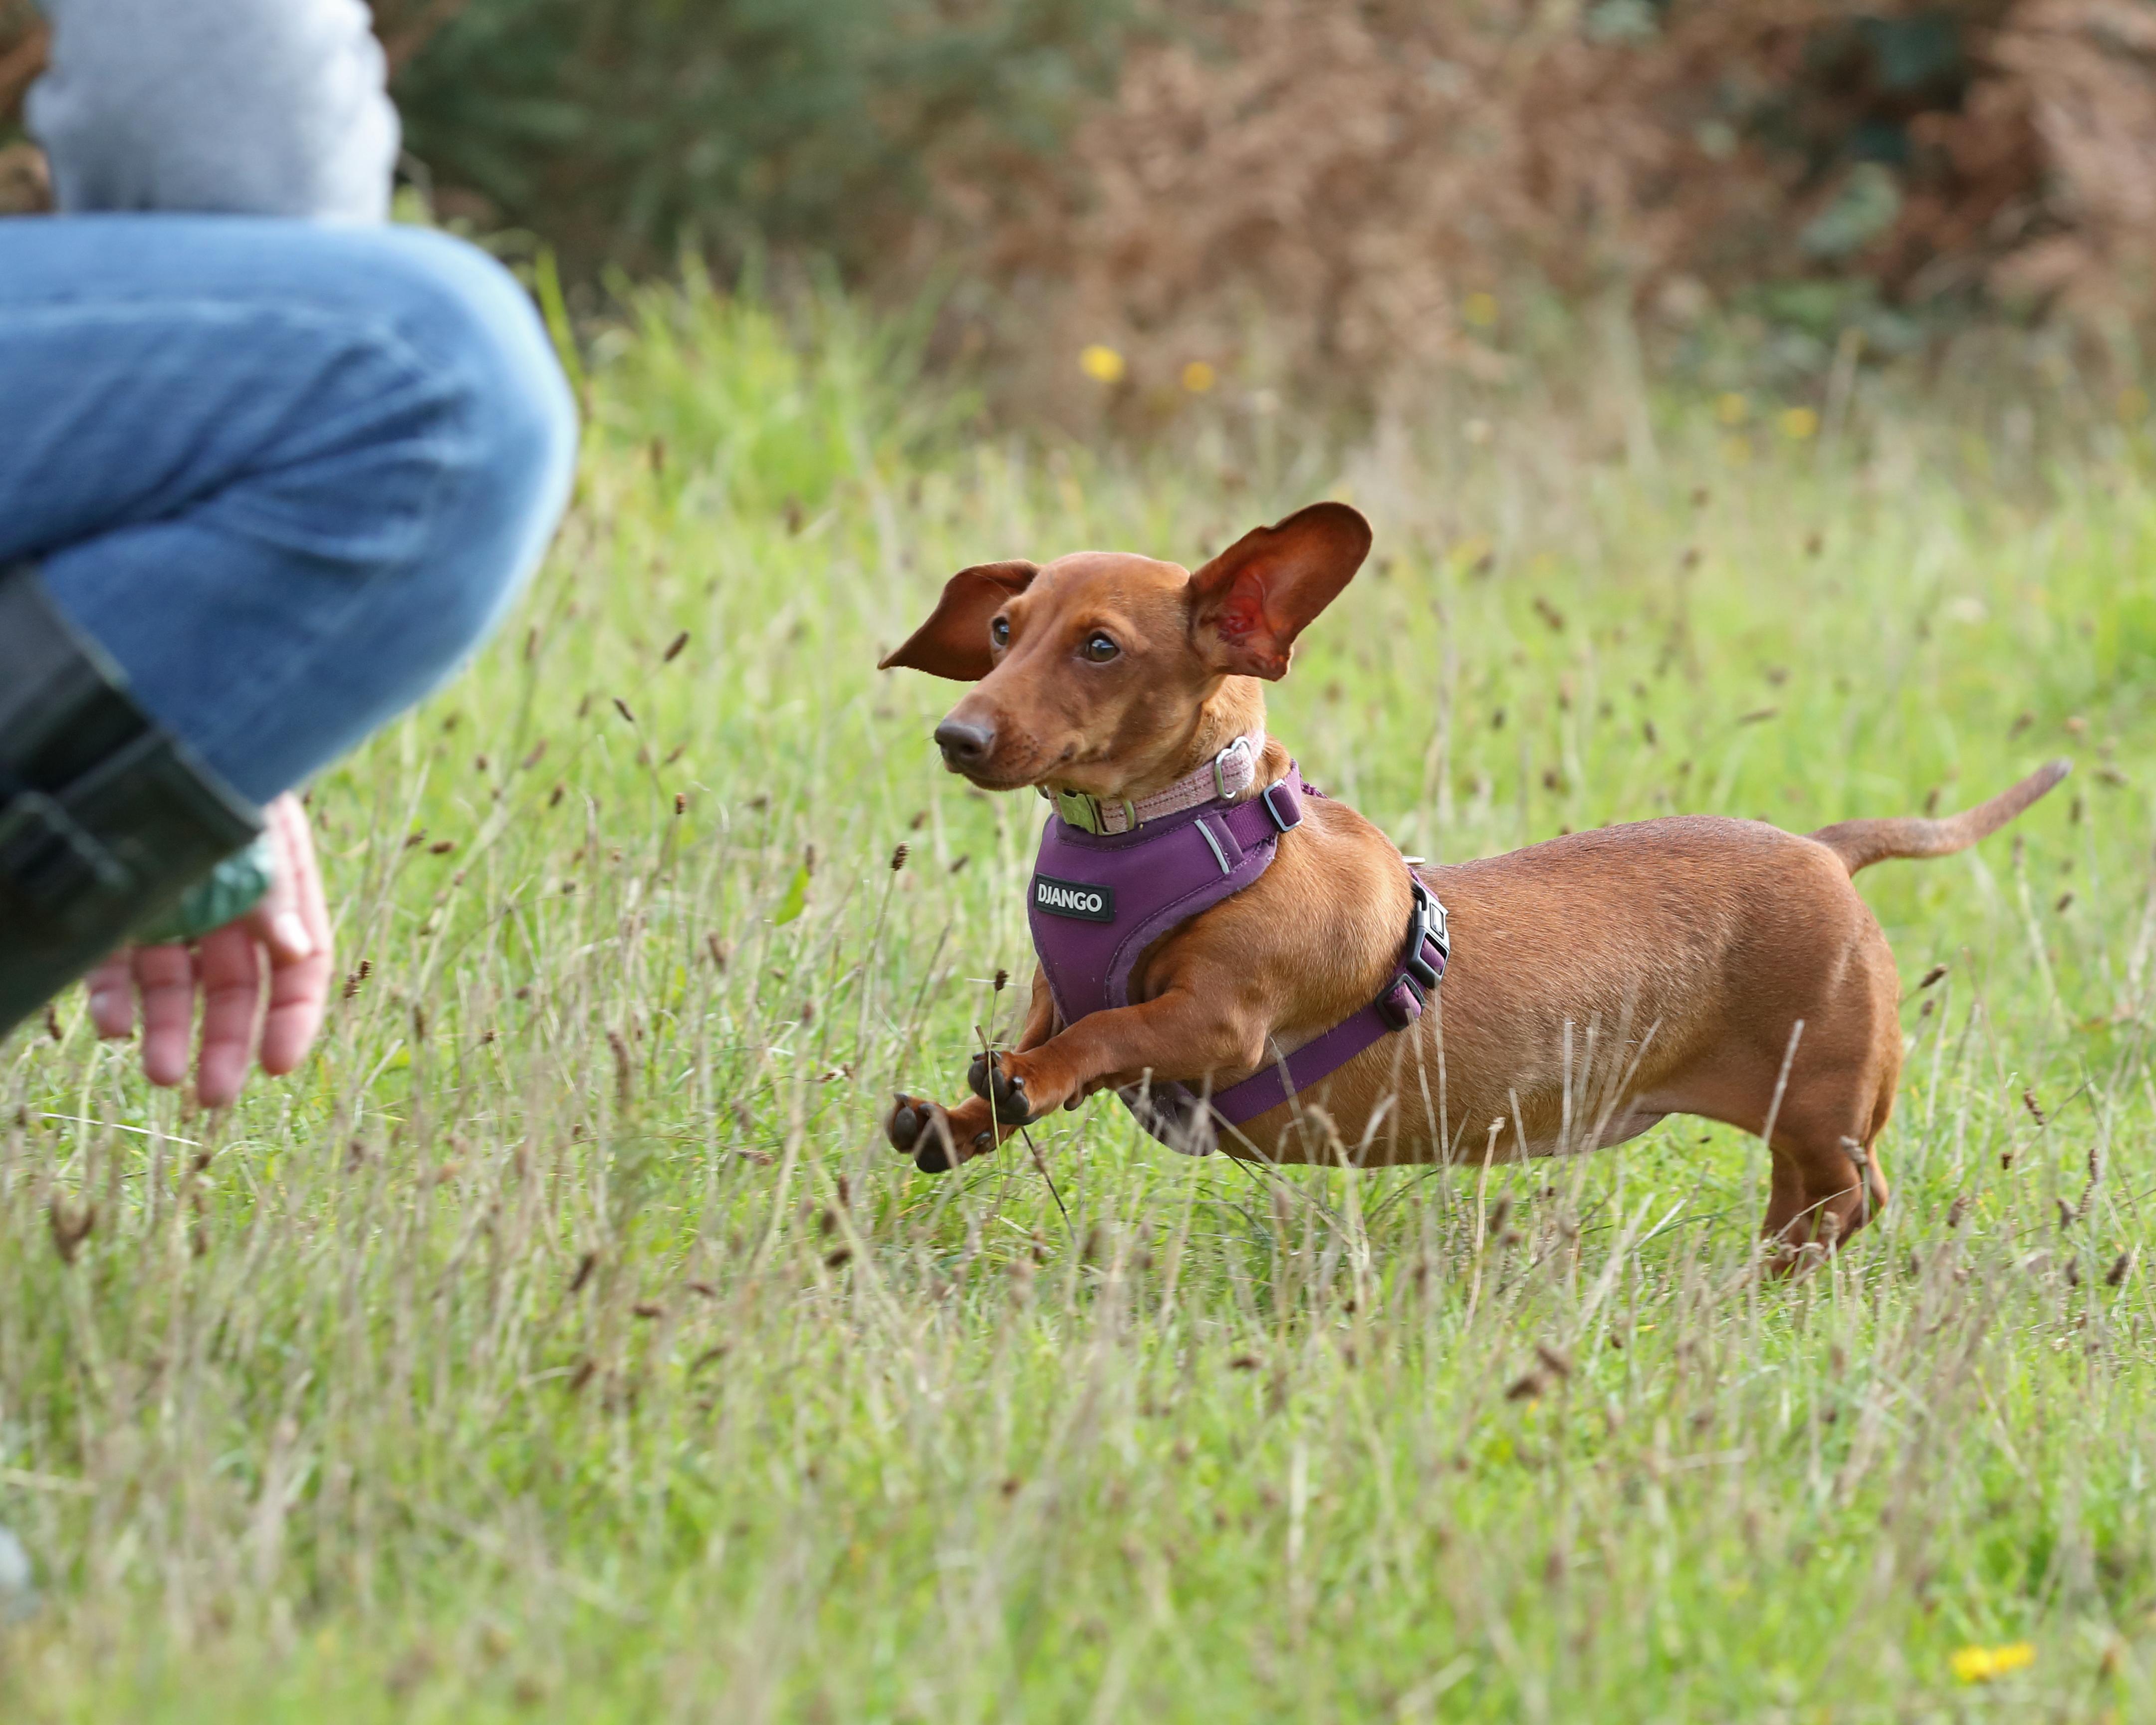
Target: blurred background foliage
1341,197
622,130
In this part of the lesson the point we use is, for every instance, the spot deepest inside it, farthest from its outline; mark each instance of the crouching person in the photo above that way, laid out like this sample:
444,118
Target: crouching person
271,470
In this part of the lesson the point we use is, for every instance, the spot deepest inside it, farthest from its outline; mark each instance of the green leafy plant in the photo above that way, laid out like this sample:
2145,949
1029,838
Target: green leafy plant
620,127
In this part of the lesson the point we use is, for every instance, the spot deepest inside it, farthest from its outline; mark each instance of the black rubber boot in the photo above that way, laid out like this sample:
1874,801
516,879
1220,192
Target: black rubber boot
106,820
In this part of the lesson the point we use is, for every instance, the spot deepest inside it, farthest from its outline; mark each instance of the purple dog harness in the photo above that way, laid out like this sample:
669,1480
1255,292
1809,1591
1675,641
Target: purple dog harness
1111,879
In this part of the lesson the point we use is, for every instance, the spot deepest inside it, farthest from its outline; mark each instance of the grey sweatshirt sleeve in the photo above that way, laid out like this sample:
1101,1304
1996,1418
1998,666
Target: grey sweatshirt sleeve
250,107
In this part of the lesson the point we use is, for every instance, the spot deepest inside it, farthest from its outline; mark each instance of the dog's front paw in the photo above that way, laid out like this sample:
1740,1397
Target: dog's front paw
919,1128
1002,1090
926,1132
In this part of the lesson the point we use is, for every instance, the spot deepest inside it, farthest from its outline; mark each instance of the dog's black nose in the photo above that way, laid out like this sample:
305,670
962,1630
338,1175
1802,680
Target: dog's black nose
964,745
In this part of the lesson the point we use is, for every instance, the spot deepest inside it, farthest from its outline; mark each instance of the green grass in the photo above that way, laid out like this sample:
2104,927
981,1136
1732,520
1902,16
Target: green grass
564,1341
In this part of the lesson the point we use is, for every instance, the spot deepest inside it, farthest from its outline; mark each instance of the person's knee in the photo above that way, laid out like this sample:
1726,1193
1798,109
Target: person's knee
375,444
505,442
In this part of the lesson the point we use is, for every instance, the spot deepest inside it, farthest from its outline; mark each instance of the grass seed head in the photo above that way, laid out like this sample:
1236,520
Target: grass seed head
70,1226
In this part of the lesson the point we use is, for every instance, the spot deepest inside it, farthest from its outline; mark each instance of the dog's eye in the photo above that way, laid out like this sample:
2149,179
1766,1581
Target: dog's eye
1101,648
999,632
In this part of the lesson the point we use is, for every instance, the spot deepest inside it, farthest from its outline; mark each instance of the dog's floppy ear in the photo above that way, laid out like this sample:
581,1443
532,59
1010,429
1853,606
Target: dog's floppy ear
954,642
1249,605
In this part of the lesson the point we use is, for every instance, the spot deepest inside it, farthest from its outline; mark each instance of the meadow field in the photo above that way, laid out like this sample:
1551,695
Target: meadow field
564,1341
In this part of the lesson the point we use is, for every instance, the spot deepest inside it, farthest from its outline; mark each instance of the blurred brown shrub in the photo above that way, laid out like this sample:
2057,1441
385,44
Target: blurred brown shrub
1359,191
1311,187
22,38
2083,72
25,185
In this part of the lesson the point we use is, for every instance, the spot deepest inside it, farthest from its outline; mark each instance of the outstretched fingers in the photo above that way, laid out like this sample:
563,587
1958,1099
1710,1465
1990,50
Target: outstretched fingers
165,978
112,990
231,973
293,923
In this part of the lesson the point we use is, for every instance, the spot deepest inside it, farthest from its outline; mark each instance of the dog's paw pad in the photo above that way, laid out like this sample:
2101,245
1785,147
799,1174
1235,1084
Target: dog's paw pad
908,1119
1010,1103
934,1158
1002,1091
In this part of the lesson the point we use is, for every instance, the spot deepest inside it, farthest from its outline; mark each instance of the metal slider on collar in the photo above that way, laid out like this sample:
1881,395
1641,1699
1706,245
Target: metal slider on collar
1221,767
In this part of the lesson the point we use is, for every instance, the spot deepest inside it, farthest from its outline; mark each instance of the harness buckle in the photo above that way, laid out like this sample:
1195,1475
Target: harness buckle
1428,925
1402,1004
1084,811
1281,805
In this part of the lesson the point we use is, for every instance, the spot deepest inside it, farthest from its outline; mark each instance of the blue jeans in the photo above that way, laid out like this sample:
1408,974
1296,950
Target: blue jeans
287,474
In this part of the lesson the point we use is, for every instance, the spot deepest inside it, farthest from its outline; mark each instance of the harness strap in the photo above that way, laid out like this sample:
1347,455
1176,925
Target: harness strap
1428,947
1100,898
1099,901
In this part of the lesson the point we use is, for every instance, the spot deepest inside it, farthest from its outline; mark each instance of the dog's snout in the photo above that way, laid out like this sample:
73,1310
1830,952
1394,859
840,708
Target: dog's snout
964,744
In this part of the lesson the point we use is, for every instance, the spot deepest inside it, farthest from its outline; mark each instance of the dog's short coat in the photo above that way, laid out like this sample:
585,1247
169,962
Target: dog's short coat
1599,982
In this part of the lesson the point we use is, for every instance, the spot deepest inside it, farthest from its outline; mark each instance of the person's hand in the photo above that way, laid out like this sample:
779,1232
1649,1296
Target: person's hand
289,930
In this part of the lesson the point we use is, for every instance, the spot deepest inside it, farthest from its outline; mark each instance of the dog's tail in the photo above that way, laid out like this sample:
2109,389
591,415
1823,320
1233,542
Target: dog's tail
1862,842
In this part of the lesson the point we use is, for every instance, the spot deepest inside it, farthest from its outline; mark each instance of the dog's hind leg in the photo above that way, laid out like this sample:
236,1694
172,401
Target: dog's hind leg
1827,1182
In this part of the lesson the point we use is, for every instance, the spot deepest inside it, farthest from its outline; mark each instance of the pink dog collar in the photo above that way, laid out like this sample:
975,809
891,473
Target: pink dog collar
1222,780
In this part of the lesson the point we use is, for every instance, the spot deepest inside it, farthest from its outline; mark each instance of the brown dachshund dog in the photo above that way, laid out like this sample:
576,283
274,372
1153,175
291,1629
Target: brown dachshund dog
1598,982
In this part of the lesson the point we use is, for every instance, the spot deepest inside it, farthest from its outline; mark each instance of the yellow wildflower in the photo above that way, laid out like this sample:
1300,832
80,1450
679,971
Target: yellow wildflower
1798,423
1198,376
1480,309
1980,1665
1101,363
1732,409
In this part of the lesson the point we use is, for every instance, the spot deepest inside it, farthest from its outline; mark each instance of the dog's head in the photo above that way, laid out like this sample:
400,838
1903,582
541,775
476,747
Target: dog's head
1095,672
